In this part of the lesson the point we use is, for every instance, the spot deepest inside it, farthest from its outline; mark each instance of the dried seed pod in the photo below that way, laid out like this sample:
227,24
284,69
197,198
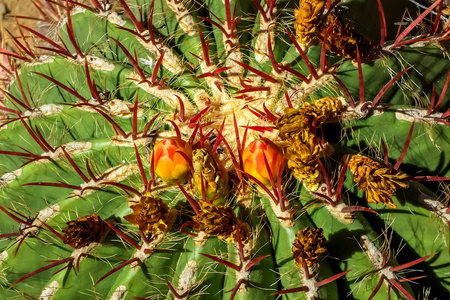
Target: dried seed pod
308,18
221,221
379,183
303,154
296,122
214,176
343,40
325,109
293,123
85,231
314,27
151,215
308,244
301,145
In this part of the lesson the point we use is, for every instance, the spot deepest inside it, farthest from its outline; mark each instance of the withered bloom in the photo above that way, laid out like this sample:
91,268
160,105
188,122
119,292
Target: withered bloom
296,122
84,231
303,155
301,145
213,174
379,183
308,18
343,40
314,27
292,123
151,215
325,109
221,221
308,244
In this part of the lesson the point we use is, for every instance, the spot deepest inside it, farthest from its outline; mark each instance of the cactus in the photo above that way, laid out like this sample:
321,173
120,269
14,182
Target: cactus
154,149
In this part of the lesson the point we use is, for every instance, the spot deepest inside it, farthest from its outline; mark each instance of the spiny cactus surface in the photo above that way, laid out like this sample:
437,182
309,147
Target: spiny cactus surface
154,149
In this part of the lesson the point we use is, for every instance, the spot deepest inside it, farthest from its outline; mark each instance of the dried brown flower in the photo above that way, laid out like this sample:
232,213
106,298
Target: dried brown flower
343,40
209,169
379,183
308,244
325,109
313,26
303,155
301,145
84,231
308,18
293,123
221,221
151,215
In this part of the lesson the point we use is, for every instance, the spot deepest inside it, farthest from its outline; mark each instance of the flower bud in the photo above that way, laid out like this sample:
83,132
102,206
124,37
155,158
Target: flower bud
169,163
255,164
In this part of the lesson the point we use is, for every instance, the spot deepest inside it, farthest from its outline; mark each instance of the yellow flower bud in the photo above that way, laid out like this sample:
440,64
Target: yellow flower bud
255,164
169,163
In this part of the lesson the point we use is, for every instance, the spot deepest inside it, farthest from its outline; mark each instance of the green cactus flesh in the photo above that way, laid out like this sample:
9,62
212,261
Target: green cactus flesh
85,107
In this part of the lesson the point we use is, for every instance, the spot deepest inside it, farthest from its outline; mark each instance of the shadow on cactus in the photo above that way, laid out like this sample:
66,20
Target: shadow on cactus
227,149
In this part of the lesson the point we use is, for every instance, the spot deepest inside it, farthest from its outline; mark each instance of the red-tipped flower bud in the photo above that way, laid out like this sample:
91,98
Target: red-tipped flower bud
169,163
257,166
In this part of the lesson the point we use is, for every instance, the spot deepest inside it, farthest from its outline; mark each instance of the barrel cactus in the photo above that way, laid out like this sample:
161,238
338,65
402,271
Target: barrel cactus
263,149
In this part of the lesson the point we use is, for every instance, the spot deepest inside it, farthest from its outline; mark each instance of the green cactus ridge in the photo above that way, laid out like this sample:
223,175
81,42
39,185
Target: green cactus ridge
348,200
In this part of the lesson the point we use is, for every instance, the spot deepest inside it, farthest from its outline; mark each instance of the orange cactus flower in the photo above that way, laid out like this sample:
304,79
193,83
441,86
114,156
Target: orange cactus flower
169,163
255,164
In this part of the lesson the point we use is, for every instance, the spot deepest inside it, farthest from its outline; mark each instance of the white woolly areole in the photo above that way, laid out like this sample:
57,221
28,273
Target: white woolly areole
242,274
357,112
44,59
233,54
184,19
9,177
436,207
3,256
418,115
95,62
140,253
299,92
71,148
119,293
262,42
186,280
49,291
114,107
376,257
167,94
80,253
110,15
201,238
43,110
170,60
42,217
215,83
336,209
310,282
284,216
76,10
114,18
